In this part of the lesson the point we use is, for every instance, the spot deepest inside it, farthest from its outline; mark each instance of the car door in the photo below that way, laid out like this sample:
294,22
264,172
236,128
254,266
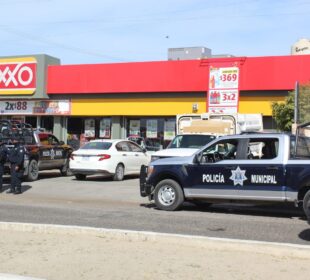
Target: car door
44,151
212,175
263,168
139,157
125,156
57,152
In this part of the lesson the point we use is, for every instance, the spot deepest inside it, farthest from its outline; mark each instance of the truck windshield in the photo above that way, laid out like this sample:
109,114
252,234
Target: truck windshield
190,141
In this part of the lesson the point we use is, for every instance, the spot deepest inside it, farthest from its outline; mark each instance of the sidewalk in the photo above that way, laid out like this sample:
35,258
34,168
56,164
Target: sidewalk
72,253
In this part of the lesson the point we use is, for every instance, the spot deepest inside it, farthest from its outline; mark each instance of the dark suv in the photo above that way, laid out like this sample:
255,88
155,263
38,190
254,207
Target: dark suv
44,150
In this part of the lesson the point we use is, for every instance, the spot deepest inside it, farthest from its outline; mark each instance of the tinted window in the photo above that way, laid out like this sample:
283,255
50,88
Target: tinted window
52,140
226,149
190,141
122,147
134,148
137,140
263,148
97,146
303,147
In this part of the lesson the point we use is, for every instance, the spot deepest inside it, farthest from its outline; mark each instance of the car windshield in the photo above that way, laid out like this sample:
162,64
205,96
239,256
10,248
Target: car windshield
97,146
190,141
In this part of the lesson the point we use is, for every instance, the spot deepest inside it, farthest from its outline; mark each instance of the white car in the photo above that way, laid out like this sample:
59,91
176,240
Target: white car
115,158
183,145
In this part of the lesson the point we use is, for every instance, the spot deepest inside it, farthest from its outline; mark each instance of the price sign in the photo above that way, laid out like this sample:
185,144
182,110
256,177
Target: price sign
35,107
224,78
223,95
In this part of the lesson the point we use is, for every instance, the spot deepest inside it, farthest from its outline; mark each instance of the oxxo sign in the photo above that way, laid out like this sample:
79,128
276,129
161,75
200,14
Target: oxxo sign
18,76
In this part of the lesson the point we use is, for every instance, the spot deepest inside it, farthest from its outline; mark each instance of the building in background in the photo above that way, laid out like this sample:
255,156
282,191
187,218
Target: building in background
301,47
117,100
188,53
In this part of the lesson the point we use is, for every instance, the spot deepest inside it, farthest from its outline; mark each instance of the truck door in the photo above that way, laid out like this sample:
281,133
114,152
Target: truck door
44,150
263,168
211,177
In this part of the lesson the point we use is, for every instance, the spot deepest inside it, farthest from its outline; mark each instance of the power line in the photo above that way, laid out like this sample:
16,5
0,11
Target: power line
60,45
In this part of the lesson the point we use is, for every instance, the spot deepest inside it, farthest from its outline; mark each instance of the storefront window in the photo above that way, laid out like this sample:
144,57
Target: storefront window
31,120
81,130
47,122
105,128
90,129
155,131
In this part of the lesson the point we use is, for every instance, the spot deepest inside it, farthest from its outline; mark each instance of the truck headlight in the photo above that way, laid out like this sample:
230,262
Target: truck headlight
154,158
150,170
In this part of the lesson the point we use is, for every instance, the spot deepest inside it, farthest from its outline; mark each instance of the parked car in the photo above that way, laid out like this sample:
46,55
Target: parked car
115,158
150,144
183,145
44,150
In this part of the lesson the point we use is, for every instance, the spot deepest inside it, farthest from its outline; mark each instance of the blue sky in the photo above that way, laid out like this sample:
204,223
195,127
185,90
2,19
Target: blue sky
108,31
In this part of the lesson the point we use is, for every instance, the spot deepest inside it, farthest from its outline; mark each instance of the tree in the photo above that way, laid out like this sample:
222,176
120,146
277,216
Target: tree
304,103
283,113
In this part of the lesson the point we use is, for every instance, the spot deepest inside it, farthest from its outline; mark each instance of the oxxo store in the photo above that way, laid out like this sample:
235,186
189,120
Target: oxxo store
142,98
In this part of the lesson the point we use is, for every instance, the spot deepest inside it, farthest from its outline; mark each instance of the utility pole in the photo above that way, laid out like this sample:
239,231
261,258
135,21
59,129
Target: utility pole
296,102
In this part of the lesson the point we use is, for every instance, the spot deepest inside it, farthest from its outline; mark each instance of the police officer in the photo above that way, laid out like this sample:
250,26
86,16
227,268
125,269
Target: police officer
3,159
16,159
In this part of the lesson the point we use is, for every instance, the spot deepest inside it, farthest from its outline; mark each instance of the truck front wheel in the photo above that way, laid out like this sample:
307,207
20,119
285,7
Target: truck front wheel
33,171
168,195
306,205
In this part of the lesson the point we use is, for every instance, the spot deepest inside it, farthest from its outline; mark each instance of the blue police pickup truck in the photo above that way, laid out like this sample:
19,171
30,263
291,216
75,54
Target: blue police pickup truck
254,167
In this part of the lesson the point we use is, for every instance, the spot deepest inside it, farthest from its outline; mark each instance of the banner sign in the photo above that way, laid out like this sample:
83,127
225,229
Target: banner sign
89,128
105,128
134,127
169,130
18,76
151,128
35,107
223,96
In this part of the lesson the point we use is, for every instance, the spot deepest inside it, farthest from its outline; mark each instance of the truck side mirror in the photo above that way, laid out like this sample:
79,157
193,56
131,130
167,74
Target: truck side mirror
197,158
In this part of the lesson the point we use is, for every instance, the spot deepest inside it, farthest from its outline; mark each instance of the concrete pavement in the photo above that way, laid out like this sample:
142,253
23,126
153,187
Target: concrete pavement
65,252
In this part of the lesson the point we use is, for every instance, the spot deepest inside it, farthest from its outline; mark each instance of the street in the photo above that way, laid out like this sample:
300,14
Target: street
101,202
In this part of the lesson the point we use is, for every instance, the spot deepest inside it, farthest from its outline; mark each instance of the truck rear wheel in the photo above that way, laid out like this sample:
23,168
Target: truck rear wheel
33,171
306,205
168,195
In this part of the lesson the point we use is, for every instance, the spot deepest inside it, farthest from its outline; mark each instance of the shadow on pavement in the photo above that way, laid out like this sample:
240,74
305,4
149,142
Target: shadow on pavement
102,178
50,174
274,210
305,235
25,188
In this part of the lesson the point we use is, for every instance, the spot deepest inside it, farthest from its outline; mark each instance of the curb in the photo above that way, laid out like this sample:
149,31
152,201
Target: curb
214,243
4,276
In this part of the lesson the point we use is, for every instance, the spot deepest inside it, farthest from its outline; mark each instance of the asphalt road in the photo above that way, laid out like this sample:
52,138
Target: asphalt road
100,202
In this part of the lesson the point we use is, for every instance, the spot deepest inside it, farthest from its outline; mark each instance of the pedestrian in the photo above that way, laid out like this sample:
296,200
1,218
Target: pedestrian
3,159
16,159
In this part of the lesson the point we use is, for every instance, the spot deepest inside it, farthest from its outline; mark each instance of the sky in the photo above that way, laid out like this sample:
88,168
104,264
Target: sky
113,31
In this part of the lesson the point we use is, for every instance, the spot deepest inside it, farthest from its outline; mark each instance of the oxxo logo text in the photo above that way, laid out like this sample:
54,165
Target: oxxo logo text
18,76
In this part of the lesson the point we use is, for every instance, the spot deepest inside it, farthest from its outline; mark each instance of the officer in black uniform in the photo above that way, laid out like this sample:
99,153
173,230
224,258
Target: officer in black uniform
3,158
16,159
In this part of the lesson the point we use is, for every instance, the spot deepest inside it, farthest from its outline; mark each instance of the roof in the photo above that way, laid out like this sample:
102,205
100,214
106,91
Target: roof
187,76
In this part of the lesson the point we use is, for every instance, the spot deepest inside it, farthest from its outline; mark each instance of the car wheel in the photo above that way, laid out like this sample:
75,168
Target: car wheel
306,205
168,195
33,171
80,176
119,173
64,170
